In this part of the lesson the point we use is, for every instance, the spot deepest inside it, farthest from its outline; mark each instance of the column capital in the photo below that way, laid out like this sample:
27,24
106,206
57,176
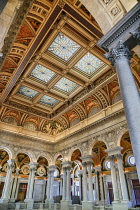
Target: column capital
114,151
33,165
136,35
97,168
11,163
120,52
66,164
87,158
51,168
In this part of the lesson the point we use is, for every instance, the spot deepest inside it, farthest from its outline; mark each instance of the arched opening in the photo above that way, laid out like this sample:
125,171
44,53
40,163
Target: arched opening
22,172
76,191
4,157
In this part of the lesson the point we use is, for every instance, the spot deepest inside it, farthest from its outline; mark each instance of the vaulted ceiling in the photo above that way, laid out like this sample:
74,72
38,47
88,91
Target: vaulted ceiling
54,72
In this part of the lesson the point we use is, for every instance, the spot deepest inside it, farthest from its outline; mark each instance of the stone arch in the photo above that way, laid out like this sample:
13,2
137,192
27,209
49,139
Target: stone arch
93,143
117,97
47,156
56,156
9,151
29,153
120,134
72,150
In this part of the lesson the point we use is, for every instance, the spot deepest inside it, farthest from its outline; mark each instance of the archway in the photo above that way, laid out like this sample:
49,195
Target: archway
4,157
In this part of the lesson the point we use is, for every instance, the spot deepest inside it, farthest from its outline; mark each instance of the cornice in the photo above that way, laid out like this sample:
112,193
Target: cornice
121,31
95,124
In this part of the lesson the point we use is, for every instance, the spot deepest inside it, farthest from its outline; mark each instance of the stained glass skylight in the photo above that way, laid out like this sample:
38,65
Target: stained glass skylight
27,91
42,73
65,85
63,47
88,64
48,100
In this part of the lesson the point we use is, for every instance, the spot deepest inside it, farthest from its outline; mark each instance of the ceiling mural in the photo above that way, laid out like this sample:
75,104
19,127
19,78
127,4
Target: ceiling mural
52,72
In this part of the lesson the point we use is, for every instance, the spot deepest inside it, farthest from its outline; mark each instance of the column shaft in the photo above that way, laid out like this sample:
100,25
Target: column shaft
122,178
96,187
89,165
51,185
64,184
84,182
48,186
68,190
114,180
130,96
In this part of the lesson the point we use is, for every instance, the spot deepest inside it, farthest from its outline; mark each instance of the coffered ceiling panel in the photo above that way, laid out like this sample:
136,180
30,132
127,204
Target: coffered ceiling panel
42,73
48,100
88,64
63,47
27,91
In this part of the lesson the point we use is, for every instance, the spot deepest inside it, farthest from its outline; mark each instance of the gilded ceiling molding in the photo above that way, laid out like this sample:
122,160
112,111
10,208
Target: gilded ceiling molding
15,27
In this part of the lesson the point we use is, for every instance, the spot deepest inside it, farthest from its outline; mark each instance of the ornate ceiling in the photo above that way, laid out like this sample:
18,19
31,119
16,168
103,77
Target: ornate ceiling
54,73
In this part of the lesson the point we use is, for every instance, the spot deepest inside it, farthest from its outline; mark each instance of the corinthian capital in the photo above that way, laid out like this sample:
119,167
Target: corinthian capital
118,53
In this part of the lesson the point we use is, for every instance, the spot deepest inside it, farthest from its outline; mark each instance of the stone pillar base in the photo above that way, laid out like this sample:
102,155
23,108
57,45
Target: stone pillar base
125,205
87,205
65,204
12,200
50,203
4,201
30,204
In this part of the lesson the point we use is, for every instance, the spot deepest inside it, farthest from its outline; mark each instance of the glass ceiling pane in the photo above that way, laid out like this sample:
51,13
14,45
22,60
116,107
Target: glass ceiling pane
63,47
42,73
88,64
48,100
27,91
65,85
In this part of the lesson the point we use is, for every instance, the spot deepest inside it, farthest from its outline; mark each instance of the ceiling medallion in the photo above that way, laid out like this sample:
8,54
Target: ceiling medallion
63,47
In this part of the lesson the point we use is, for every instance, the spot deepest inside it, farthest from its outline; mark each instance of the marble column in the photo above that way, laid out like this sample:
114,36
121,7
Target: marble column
66,199
101,187
48,187
29,198
124,190
61,187
130,95
89,169
33,170
85,199
68,188
80,184
51,169
13,196
64,184
114,180
96,185
6,192
28,186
